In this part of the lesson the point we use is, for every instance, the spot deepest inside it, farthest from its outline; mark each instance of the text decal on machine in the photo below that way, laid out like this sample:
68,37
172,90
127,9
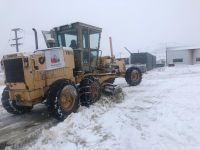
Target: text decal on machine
54,59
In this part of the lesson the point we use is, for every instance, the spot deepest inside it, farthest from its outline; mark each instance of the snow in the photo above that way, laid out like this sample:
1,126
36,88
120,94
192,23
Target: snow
162,113
1,90
1,79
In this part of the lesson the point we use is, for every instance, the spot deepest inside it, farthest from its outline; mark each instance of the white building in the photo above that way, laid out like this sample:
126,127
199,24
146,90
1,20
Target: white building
183,55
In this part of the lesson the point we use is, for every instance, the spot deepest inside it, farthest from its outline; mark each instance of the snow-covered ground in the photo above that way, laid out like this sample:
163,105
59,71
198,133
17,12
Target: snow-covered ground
1,78
162,113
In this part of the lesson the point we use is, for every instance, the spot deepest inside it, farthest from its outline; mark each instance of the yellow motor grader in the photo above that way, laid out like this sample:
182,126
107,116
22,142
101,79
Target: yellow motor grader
69,73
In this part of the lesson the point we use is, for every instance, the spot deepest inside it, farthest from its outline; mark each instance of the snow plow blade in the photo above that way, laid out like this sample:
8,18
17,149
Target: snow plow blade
112,89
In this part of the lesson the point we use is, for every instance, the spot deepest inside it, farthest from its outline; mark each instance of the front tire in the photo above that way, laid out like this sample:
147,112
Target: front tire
90,91
133,76
62,99
10,105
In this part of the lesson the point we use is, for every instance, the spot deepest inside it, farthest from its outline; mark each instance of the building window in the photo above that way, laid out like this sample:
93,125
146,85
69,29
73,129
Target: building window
198,59
178,60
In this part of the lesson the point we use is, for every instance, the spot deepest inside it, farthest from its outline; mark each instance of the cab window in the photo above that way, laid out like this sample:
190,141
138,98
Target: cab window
68,39
93,58
94,41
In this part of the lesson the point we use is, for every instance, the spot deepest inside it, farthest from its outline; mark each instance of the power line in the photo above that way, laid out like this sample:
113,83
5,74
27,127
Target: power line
16,39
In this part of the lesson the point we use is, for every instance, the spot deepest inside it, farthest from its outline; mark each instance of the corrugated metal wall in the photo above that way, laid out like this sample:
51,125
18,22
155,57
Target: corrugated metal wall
144,58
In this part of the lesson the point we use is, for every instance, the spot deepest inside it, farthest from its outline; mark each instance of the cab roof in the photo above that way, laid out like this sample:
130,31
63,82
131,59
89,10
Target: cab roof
77,25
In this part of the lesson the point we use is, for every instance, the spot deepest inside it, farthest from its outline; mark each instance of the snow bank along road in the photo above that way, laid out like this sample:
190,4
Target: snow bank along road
160,114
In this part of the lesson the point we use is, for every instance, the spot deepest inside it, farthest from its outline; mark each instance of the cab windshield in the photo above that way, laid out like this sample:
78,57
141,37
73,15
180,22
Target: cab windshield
68,39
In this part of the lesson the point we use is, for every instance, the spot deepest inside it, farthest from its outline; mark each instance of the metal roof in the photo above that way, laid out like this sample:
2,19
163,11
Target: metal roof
182,48
87,25
80,24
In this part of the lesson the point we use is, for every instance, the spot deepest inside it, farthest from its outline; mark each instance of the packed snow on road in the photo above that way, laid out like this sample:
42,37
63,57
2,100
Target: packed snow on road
162,113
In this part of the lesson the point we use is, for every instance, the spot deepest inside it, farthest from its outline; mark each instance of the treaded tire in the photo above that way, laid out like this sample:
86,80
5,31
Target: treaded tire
54,100
133,81
90,91
10,106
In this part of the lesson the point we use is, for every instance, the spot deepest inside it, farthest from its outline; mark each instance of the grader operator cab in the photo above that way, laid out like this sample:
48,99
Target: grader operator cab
82,38
69,73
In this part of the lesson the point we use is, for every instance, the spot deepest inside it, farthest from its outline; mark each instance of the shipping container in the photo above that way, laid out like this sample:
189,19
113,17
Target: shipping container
144,58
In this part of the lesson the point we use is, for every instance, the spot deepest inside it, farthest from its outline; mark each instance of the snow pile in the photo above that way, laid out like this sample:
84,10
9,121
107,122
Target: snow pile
160,114
1,78
2,110
68,133
1,90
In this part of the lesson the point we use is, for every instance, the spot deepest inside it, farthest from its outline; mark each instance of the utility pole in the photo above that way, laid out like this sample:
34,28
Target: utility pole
16,39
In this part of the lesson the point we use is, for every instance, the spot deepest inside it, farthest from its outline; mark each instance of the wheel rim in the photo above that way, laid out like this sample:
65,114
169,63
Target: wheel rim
134,75
68,97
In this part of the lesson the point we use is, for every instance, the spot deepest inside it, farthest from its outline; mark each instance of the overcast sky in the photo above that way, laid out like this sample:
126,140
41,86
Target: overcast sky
136,24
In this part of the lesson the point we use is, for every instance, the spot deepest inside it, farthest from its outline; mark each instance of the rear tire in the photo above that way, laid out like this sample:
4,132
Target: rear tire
133,76
90,91
10,106
62,99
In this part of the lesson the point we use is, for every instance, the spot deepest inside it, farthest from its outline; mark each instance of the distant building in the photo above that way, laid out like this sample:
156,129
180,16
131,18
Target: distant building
183,55
143,58
160,63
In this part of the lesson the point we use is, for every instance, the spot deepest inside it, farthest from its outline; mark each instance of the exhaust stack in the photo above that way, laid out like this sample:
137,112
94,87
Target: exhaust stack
36,38
111,48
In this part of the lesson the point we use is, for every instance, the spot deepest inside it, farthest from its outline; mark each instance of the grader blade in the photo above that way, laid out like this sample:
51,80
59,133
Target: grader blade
114,92
112,89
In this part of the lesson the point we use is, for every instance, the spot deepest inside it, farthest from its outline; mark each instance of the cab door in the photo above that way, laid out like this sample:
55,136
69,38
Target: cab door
90,49
94,49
